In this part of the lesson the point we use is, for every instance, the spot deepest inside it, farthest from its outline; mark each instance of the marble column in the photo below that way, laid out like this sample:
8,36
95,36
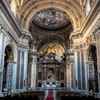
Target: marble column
81,70
86,69
44,74
65,73
68,70
25,69
1,49
72,75
75,71
1,56
33,69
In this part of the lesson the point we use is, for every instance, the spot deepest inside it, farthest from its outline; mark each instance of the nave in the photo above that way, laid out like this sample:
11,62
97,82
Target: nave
49,49
36,97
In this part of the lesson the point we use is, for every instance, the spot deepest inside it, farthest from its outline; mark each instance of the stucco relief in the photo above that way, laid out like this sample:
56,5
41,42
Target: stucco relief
52,48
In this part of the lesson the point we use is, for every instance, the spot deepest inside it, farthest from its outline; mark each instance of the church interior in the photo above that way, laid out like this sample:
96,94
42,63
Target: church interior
49,49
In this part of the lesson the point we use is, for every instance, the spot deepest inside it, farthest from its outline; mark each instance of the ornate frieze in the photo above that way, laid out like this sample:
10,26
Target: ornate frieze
24,40
91,39
26,35
7,30
23,46
76,34
97,29
80,46
3,26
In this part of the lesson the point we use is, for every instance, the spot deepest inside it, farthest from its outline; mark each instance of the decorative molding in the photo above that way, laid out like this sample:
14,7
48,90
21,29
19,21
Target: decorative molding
76,34
3,26
80,47
91,39
35,29
35,6
26,35
23,46
97,29
9,15
89,19
48,39
6,29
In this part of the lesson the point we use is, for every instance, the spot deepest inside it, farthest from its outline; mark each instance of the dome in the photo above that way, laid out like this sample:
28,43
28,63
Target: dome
50,18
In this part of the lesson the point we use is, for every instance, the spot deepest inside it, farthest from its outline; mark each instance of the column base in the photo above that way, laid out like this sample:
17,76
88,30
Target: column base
1,94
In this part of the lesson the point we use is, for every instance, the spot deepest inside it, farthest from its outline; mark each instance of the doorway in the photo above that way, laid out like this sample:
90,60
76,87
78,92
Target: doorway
8,57
93,84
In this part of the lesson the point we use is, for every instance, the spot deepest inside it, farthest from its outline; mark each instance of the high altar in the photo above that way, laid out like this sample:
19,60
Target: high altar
51,71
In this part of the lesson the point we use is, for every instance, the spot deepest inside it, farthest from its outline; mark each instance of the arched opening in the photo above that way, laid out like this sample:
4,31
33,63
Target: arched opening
54,48
8,57
39,84
93,79
51,61
50,29
62,84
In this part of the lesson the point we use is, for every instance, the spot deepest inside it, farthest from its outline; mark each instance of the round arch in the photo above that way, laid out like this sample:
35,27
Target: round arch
55,48
46,40
9,56
92,50
73,10
92,57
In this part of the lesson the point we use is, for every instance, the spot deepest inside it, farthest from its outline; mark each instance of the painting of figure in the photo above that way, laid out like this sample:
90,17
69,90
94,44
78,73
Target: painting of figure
50,18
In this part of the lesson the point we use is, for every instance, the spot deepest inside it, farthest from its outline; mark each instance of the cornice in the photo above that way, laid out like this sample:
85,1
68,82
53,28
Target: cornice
63,30
13,22
26,35
7,30
89,19
97,29
23,46
7,11
76,34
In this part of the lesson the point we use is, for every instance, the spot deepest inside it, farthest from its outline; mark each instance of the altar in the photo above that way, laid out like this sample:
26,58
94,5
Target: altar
50,84
50,72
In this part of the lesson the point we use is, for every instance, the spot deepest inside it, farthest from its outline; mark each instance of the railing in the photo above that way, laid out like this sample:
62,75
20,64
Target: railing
50,88
57,89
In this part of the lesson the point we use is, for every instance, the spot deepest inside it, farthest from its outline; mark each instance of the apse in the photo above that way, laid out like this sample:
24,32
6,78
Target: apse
54,48
50,21
50,26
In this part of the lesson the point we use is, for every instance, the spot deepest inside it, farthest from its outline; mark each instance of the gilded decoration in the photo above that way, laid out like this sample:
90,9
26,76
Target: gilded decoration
51,18
51,48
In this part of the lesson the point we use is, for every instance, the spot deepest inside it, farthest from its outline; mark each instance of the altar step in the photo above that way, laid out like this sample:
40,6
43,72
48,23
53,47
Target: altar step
50,94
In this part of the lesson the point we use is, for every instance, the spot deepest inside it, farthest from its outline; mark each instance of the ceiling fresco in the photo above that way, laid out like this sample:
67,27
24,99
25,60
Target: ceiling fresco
50,18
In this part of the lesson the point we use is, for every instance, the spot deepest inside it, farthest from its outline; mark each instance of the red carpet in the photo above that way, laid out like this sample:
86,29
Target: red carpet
50,96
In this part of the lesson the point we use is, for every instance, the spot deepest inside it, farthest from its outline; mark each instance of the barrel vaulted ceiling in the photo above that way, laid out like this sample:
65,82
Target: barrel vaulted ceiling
73,10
